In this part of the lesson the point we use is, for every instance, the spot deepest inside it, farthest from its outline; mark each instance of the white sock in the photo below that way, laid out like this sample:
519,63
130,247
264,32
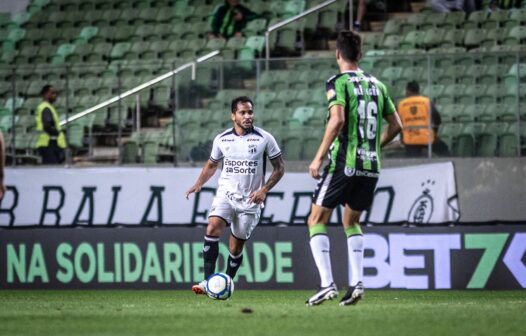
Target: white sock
355,251
321,251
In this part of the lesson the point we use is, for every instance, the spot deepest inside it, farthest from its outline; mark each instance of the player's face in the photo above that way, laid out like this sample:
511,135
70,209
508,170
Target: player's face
243,117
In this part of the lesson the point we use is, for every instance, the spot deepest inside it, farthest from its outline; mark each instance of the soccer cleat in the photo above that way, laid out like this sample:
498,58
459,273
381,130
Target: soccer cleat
200,288
324,294
353,295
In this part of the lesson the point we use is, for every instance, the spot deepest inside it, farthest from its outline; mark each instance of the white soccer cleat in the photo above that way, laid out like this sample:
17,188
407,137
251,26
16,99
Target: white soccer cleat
200,288
353,295
324,294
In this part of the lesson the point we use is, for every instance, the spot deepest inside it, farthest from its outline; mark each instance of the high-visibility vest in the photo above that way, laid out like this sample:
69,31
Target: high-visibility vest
415,114
43,137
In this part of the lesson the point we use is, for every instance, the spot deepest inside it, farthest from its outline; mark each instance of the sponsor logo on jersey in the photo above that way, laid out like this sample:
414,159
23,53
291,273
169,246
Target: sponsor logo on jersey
227,140
254,139
240,167
366,155
331,94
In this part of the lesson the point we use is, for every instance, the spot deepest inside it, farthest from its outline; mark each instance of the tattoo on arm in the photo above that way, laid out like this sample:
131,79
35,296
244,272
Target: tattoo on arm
277,173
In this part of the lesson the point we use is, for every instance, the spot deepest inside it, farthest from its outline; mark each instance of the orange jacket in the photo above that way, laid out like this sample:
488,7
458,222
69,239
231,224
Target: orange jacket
415,114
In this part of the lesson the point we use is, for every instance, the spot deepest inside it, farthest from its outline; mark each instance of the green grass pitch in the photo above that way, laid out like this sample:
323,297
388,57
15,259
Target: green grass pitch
250,312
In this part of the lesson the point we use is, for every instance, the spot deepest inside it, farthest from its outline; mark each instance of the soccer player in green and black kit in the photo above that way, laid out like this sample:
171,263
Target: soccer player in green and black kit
353,137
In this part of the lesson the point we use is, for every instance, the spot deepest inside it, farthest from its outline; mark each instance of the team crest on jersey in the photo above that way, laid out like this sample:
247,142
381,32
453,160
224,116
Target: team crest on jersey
252,149
331,94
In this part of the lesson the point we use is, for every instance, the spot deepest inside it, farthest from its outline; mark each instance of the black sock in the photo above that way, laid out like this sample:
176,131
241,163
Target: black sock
233,264
210,254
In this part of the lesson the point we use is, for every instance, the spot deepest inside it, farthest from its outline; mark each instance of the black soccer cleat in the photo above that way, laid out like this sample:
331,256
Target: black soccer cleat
324,294
353,295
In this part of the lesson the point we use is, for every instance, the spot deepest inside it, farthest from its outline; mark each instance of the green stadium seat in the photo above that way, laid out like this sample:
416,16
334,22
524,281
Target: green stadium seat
130,152
475,19
392,42
300,116
453,20
328,18
516,35
292,144
517,17
505,112
474,37
433,37
448,112
509,142
372,40
392,27
256,27
454,37
414,39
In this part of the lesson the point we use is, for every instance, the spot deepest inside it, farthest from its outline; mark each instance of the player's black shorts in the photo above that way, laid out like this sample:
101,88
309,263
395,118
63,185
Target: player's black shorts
348,187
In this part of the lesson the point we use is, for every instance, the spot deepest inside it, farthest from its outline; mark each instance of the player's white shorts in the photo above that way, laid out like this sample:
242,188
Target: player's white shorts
242,216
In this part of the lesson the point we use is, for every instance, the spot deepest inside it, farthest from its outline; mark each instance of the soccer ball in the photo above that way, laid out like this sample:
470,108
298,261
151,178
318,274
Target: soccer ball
219,286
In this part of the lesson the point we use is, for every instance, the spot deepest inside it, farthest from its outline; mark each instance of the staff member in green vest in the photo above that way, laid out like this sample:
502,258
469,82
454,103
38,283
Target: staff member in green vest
51,141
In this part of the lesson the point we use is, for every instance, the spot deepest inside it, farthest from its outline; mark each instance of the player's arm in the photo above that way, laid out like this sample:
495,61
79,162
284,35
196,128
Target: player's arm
278,171
208,171
393,128
2,164
334,126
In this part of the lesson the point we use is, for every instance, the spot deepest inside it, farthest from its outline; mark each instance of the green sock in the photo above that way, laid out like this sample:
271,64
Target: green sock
317,229
353,230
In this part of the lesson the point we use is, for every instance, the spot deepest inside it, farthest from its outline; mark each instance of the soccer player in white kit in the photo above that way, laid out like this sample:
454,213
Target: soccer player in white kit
242,190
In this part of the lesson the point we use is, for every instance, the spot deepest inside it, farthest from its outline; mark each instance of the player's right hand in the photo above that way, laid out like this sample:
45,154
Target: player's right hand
193,189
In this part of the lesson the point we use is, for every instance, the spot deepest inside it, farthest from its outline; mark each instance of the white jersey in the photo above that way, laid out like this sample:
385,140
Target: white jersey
244,158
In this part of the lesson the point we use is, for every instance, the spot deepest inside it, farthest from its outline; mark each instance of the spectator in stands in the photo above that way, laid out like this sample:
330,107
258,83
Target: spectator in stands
360,13
51,140
414,112
2,164
446,6
230,19
504,4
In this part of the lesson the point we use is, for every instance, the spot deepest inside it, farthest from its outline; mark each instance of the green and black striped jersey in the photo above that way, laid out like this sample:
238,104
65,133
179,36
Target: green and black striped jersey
366,102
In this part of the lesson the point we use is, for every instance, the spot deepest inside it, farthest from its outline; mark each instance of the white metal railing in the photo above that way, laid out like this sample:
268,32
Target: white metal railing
141,87
290,20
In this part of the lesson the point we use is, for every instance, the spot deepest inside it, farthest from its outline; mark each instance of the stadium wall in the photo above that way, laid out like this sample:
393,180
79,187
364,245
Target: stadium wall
489,189
462,257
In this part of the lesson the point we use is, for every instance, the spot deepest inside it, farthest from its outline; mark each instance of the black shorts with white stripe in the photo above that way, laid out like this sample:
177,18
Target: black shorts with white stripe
353,188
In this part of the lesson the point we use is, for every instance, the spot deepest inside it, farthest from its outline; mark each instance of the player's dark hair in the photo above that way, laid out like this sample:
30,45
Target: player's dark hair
237,100
349,44
413,87
45,89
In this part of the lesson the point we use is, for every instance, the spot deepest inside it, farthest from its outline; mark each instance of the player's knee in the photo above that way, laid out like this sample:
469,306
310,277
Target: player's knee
213,230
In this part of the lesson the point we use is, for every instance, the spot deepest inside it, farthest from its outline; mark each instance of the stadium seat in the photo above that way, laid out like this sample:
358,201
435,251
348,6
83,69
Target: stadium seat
412,40
475,19
453,20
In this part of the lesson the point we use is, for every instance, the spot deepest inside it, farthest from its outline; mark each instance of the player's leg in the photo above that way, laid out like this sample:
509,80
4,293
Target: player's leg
210,250
320,247
220,215
353,231
235,256
241,229
360,194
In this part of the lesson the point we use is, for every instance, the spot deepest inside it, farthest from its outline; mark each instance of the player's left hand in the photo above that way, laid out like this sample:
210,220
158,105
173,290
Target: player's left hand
257,196
314,168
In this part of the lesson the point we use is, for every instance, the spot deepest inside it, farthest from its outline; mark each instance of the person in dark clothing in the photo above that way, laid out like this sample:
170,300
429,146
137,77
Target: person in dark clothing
505,4
230,19
51,140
